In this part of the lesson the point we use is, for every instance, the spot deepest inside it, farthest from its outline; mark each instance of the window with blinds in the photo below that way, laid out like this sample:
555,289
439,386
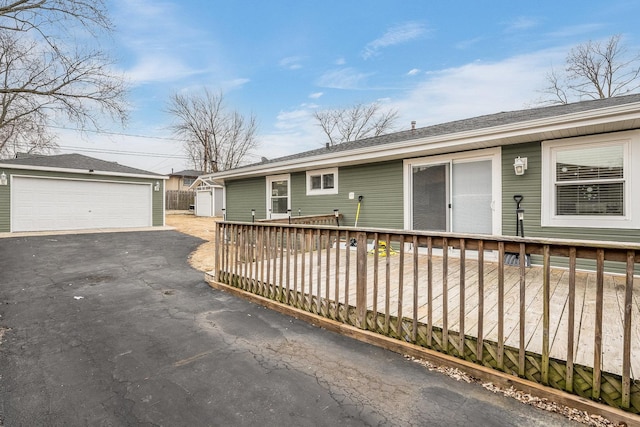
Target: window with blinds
590,181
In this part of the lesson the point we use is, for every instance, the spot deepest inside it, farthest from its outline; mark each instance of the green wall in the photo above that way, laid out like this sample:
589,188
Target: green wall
530,186
242,195
5,193
380,184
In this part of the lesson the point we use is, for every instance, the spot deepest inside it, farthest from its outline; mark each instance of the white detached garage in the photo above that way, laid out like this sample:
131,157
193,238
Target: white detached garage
74,192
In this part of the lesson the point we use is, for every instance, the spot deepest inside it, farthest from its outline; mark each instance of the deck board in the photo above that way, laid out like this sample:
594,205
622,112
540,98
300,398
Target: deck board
312,279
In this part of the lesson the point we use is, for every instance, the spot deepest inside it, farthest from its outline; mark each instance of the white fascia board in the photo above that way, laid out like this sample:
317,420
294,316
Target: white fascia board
80,171
478,138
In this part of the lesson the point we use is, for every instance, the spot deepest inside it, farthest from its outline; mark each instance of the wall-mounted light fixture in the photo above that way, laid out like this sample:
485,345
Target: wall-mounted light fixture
336,212
3,179
520,165
156,187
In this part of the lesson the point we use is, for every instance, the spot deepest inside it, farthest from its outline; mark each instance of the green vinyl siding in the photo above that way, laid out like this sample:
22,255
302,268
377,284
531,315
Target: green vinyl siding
379,184
242,195
157,204
5,208
529,186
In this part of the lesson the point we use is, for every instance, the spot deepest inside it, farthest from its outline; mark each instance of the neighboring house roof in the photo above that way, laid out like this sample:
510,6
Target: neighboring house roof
189,173
75,163
512,127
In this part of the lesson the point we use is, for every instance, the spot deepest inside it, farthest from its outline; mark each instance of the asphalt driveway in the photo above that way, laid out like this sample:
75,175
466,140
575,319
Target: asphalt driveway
117,329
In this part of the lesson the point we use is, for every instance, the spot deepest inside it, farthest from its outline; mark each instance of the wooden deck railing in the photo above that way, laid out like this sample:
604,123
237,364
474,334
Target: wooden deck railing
328,219
566,328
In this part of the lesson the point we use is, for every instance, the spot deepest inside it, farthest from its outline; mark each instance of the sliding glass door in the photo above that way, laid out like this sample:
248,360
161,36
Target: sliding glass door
454,194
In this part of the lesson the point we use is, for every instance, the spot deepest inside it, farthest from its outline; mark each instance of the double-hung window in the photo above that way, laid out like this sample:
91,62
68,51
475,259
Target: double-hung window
324,181
587,182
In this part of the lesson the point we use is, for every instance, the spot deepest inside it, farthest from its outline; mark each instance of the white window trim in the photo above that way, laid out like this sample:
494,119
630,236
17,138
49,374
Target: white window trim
321,172
493,154
270,179
631,165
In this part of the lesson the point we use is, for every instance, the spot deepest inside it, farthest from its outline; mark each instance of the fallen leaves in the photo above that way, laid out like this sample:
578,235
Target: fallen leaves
526,398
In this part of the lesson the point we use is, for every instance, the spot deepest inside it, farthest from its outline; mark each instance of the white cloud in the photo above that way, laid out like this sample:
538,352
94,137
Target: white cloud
295,131
522,23
343,78
340,61
413,72
394,35
467,91
159,68
477,88
316,95
291,62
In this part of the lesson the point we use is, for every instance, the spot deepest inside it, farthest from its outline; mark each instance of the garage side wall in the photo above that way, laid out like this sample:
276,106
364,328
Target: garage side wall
5,192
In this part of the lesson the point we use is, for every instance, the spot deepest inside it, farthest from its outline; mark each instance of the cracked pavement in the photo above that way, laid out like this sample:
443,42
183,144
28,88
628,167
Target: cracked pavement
117,329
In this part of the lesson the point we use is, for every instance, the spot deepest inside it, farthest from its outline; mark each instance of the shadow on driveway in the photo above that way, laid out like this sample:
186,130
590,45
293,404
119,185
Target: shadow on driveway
117,329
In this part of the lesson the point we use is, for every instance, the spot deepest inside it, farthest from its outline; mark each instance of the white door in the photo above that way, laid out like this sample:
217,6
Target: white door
40,204
455,194
278,196
204,203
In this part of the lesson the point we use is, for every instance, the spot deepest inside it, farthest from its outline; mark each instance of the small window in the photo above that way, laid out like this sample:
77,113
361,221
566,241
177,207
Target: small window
323,181
187,182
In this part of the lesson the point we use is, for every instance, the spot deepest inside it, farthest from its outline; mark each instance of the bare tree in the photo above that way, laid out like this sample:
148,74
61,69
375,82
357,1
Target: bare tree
356,122
215,138
50,72
594,70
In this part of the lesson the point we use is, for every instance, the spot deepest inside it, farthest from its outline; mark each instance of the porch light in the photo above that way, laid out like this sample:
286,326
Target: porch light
224,214
3,179
289,215
253,215
156,187
520,165
336,212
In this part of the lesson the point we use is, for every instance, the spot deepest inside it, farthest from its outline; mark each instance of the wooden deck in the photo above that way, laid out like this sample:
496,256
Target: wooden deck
399,285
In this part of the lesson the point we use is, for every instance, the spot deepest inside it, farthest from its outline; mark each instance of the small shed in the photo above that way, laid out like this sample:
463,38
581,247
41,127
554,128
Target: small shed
75,192
209,199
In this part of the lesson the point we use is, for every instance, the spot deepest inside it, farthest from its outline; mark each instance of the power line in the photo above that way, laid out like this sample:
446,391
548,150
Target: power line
121,152
104,132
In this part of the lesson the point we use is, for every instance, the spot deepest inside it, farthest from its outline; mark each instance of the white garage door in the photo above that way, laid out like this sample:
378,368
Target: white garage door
59,204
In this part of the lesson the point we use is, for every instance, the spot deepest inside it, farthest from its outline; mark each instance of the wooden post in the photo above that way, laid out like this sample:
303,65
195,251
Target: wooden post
500,356
571,319
361,280
480,348
626,352
462,293
597,344
218,251
522,344
546,295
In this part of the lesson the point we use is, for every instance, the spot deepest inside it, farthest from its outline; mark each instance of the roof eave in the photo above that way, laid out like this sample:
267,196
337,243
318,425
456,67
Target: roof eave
507,134
80,171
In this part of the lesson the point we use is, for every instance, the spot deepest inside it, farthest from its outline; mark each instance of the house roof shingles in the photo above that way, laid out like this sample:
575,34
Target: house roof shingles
76,162
471,124
189,173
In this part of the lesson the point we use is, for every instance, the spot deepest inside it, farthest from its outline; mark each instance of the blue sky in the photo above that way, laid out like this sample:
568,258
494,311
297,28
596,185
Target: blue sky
281,60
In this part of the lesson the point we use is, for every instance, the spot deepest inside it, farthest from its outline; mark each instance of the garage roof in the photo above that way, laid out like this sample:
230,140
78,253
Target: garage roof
76,163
